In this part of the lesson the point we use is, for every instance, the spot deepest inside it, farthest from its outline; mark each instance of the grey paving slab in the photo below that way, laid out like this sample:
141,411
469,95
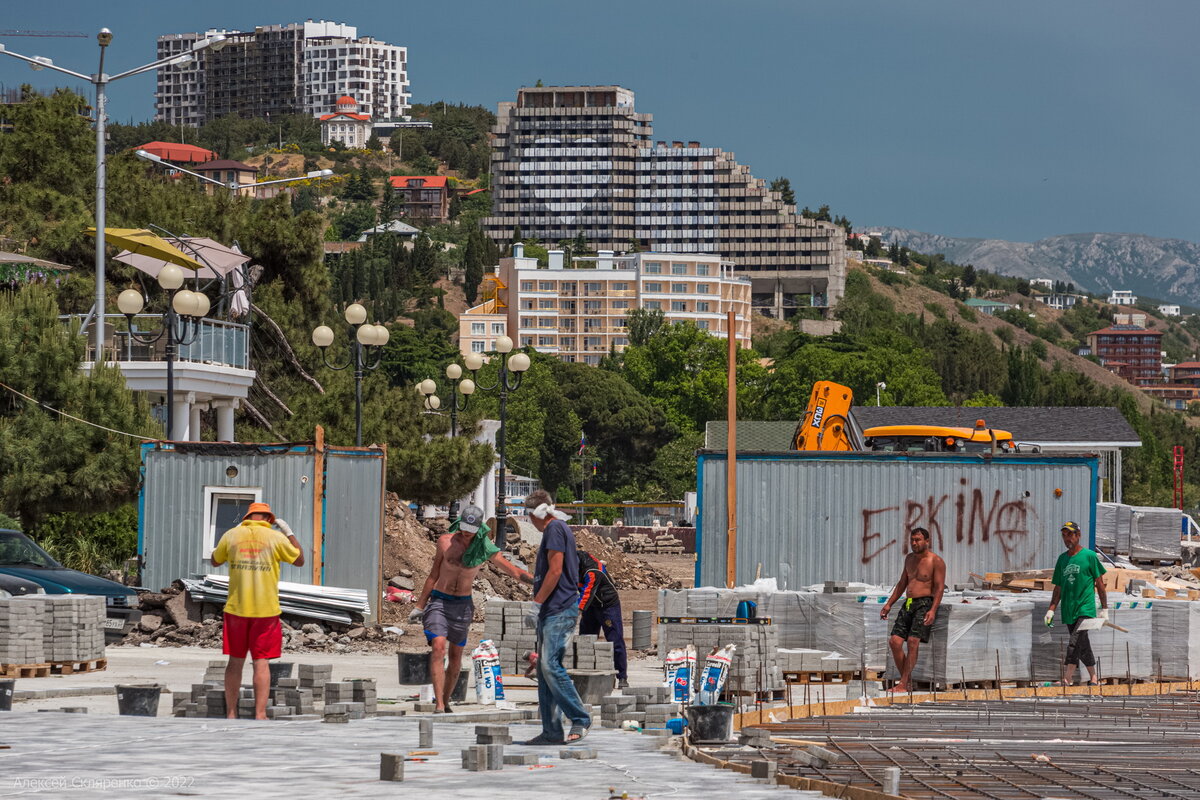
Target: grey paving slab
85,756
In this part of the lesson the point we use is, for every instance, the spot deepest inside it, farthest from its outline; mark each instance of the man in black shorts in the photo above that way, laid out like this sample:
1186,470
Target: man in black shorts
923,581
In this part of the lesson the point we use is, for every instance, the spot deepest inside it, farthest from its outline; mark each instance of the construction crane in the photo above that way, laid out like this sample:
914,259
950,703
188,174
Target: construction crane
59,34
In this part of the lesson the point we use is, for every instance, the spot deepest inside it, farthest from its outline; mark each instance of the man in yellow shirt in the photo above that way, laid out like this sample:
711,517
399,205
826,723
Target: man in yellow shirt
251,622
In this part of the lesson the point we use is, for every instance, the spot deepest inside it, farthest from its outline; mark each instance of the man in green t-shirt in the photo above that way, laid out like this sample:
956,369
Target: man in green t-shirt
1077,581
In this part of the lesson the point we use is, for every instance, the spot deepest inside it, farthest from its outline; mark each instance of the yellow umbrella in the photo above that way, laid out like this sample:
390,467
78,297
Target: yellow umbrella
143,242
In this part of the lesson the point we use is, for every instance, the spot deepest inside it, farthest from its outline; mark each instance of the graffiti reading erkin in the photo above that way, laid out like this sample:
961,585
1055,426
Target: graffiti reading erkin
967,517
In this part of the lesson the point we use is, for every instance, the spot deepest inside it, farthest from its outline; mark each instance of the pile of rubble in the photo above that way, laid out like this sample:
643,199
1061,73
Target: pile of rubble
627,572
637,542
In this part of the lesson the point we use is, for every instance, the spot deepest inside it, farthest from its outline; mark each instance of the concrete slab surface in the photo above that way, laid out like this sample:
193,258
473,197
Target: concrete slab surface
92,756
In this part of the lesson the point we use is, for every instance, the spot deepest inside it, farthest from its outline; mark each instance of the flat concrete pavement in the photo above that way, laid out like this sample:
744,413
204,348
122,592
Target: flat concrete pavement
90,756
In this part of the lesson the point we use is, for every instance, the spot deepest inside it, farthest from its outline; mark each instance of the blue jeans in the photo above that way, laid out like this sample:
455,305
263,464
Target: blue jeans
556,691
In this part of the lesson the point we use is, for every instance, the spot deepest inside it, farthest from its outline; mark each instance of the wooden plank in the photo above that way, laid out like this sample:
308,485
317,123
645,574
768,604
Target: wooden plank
1026,574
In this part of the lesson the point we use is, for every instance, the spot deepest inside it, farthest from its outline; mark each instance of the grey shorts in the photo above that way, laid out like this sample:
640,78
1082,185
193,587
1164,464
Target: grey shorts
448,616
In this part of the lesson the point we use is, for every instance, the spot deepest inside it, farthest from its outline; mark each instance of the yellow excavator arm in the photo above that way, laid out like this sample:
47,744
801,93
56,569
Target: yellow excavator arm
828,423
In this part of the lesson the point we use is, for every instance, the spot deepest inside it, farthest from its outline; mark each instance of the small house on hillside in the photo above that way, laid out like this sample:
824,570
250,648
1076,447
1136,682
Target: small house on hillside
423,196
989,307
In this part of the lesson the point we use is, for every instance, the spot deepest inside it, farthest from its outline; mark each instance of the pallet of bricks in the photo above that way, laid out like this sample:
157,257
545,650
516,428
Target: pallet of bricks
504,624
51,634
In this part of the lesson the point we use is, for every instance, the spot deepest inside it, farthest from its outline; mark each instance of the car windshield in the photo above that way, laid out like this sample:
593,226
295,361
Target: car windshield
18,550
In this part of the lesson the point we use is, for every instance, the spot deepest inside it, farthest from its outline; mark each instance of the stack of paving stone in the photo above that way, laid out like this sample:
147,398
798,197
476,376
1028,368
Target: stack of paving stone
794,614
848,623
72,626
363,690
808,660
1119,654
973,639
205,700
288,692
754,665
215,673
649,706
314,677
504,624
1176,630
588,652
21,632
338,692
480,757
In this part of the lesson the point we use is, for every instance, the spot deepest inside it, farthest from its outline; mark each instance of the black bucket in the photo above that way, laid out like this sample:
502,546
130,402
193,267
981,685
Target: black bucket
280,669
710,724
414,668
6,694
459,694
138,701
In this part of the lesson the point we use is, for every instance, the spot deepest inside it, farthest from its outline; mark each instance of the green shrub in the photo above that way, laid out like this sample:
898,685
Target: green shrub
966,312
91,543
936,309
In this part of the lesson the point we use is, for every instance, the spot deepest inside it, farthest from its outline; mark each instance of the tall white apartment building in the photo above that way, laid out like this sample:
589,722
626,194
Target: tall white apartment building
297,68
571,160
580,313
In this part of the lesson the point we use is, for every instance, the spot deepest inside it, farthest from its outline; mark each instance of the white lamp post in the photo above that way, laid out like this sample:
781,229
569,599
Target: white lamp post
512,367
233,186
462,389
101,81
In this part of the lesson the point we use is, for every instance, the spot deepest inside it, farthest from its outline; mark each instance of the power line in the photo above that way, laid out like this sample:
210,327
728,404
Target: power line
40,404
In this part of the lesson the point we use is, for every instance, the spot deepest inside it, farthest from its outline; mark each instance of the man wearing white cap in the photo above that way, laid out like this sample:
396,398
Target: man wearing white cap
445,606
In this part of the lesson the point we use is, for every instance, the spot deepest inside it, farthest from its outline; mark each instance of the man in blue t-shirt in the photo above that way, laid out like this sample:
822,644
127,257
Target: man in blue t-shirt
555,600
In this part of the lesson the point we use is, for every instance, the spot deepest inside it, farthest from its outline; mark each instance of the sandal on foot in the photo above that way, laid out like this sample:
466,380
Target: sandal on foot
577,734
542,740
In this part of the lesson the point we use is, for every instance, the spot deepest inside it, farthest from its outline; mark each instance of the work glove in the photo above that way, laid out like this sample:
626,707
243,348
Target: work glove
1049,619
284,528
531,616
416,614
1104,614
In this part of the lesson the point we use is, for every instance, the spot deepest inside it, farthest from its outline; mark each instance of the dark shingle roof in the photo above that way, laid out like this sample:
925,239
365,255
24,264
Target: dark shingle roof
1038,425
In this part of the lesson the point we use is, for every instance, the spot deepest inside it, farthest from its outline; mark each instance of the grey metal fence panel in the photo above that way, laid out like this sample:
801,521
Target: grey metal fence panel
808,517
353,509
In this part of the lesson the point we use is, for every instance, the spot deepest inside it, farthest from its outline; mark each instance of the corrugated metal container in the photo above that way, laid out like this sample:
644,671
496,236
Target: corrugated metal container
805,517
193,492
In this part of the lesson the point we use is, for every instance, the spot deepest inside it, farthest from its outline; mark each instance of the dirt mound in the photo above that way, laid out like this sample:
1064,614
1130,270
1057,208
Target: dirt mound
627,571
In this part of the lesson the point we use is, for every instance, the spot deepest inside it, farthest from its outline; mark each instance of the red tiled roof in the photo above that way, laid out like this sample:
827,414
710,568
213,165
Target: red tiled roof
431,181
172,151
477,191
1135,331
346,99
226,163
328,117
1188,365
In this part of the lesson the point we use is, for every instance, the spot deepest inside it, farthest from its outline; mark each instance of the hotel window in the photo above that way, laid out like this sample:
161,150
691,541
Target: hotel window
527,322
547,303
526,286
591,288
702,324
476,347
497,329
679,269
545,341
703,288
653,287
546,286
477,328
547,322
702,269
678,305
653,305
526,341
591,306
652,268
703,306
620,304
679,288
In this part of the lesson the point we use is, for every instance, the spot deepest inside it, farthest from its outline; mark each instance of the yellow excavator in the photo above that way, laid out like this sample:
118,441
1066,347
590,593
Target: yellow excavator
828,424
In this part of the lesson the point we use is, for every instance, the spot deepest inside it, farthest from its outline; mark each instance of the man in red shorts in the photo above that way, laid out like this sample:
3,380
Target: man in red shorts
253,551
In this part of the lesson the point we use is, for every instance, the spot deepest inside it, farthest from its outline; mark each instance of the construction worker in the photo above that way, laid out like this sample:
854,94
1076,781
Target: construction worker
600,610
251,621
922,581
445,607
1077,580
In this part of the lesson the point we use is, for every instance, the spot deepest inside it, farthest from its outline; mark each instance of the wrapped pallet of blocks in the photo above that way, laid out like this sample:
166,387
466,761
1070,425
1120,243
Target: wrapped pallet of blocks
849,624
21,634
754,665
1176,642
794,614
1118,654
72,626
974,639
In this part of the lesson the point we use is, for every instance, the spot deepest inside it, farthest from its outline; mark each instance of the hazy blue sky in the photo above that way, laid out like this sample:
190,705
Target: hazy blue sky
1013,119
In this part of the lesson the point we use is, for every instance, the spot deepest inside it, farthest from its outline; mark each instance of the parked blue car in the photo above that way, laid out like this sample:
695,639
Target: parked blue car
20,557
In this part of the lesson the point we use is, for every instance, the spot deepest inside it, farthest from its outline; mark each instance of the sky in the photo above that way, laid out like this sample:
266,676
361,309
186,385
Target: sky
1009,119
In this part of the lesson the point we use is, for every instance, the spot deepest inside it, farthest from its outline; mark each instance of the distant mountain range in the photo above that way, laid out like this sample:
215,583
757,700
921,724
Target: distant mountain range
1164,269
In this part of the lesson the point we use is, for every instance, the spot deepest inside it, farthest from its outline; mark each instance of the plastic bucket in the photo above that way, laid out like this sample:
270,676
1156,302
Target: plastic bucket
710,723
676,725
414,668
138,701
459,695
6,694
280,669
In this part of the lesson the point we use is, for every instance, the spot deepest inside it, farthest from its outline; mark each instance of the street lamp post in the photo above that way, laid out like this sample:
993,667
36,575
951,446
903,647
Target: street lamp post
461,398
233,186
100,80
365,335
511,364
181,324
878,387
